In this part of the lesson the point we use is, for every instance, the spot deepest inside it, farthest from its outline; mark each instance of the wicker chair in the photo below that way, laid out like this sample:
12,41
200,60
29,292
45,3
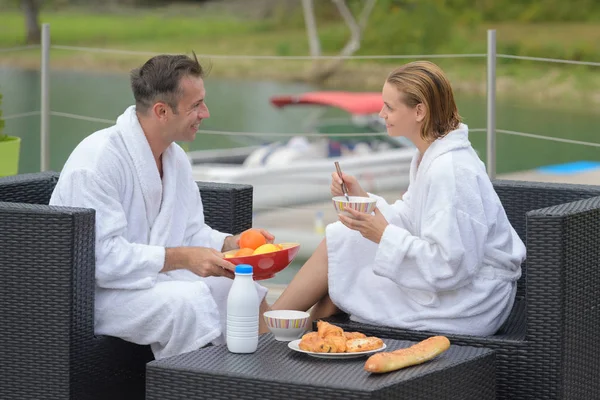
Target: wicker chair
546,349
49,350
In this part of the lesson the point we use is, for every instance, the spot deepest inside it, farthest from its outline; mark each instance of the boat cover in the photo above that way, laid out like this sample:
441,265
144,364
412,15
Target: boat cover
359,103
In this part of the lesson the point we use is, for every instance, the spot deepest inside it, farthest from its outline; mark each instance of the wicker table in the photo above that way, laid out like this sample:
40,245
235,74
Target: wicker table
275,371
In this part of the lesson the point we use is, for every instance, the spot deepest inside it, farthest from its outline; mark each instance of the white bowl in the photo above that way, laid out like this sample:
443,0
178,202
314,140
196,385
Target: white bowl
358,203
287,325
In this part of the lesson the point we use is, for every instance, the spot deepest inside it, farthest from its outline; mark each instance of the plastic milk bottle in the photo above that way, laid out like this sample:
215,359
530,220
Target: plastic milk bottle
242,312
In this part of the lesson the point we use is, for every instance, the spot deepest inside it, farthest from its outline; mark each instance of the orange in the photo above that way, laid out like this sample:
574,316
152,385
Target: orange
243,252
252,239
266,248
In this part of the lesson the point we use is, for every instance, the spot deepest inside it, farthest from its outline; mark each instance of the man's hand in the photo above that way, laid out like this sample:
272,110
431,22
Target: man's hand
370,226
202,261
233,242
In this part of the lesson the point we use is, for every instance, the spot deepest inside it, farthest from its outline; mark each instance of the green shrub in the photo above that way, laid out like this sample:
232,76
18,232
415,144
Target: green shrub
414,27
2,135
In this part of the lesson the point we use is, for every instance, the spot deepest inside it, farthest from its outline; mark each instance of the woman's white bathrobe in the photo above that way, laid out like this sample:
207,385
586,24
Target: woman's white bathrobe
138,215
447,262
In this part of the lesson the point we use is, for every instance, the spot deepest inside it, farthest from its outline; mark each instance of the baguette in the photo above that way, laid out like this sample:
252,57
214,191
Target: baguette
416,354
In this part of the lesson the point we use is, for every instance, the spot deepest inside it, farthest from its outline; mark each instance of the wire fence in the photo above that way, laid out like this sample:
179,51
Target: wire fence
19,48
22,115
307,134
93,119
308,214
550,60
307,57
271,57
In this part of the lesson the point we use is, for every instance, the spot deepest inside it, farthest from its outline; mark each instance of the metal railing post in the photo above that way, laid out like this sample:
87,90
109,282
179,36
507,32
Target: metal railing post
45,99
491,103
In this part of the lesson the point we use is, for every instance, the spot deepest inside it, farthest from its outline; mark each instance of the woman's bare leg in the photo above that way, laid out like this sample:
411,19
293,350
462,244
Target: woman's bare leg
262,325
309,285
323,309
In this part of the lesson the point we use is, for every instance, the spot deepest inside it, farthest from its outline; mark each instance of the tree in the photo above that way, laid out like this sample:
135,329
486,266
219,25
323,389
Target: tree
321,71
31,10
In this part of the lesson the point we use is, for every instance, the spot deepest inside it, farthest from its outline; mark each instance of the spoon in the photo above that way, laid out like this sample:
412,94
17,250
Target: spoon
344,188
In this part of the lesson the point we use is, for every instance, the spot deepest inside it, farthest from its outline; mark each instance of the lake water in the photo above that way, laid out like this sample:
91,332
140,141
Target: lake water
244,106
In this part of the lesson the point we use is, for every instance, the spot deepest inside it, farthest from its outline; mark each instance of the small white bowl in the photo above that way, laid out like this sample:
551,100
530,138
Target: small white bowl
358,203
287,325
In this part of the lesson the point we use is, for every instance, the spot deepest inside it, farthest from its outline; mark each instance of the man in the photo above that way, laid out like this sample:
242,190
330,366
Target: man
161,278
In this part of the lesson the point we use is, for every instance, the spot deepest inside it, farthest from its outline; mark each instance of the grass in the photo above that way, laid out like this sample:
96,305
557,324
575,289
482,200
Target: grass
186,29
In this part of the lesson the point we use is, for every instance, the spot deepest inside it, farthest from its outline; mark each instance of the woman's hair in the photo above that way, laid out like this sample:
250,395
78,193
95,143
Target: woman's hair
424,82
158,80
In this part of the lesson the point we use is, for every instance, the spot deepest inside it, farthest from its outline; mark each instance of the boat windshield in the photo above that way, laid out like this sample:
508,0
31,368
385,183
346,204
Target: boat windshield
336,137
354,129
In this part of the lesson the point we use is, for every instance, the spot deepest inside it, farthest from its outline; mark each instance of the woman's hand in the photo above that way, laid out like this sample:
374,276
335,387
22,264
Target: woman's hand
370,226
352,184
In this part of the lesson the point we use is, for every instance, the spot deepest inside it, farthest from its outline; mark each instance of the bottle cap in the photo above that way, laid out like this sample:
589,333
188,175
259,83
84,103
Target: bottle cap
243,269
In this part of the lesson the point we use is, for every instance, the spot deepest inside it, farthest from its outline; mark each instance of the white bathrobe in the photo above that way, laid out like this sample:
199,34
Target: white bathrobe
447,262
138,215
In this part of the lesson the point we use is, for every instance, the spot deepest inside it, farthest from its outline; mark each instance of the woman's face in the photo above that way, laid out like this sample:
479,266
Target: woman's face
400,119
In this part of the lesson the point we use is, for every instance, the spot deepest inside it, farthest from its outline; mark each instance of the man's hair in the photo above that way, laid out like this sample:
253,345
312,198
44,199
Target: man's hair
159,78
423,82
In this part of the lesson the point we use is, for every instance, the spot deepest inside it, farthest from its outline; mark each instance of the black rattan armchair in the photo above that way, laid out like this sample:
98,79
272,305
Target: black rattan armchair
48,346
547,348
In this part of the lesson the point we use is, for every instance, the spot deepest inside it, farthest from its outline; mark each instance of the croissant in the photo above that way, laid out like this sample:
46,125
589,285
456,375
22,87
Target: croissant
330,338
336,343
326,329
309,336
316,345
354,335
363,344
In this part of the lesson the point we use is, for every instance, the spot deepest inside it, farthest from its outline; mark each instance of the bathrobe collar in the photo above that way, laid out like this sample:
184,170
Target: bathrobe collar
158,193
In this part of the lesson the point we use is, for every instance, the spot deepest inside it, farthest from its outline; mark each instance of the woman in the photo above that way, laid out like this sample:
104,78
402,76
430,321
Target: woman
444,258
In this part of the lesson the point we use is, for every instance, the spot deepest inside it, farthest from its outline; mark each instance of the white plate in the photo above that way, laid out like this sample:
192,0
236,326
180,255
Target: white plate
294,346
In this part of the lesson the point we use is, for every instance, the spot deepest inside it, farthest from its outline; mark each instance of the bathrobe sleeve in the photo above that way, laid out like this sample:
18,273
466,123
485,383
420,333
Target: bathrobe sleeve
119,263
448,251
197,232
397,212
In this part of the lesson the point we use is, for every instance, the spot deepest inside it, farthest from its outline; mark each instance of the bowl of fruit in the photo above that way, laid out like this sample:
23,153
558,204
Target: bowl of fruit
267,259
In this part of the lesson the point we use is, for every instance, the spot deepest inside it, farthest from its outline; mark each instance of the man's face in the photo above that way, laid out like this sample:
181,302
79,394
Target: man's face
191,110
